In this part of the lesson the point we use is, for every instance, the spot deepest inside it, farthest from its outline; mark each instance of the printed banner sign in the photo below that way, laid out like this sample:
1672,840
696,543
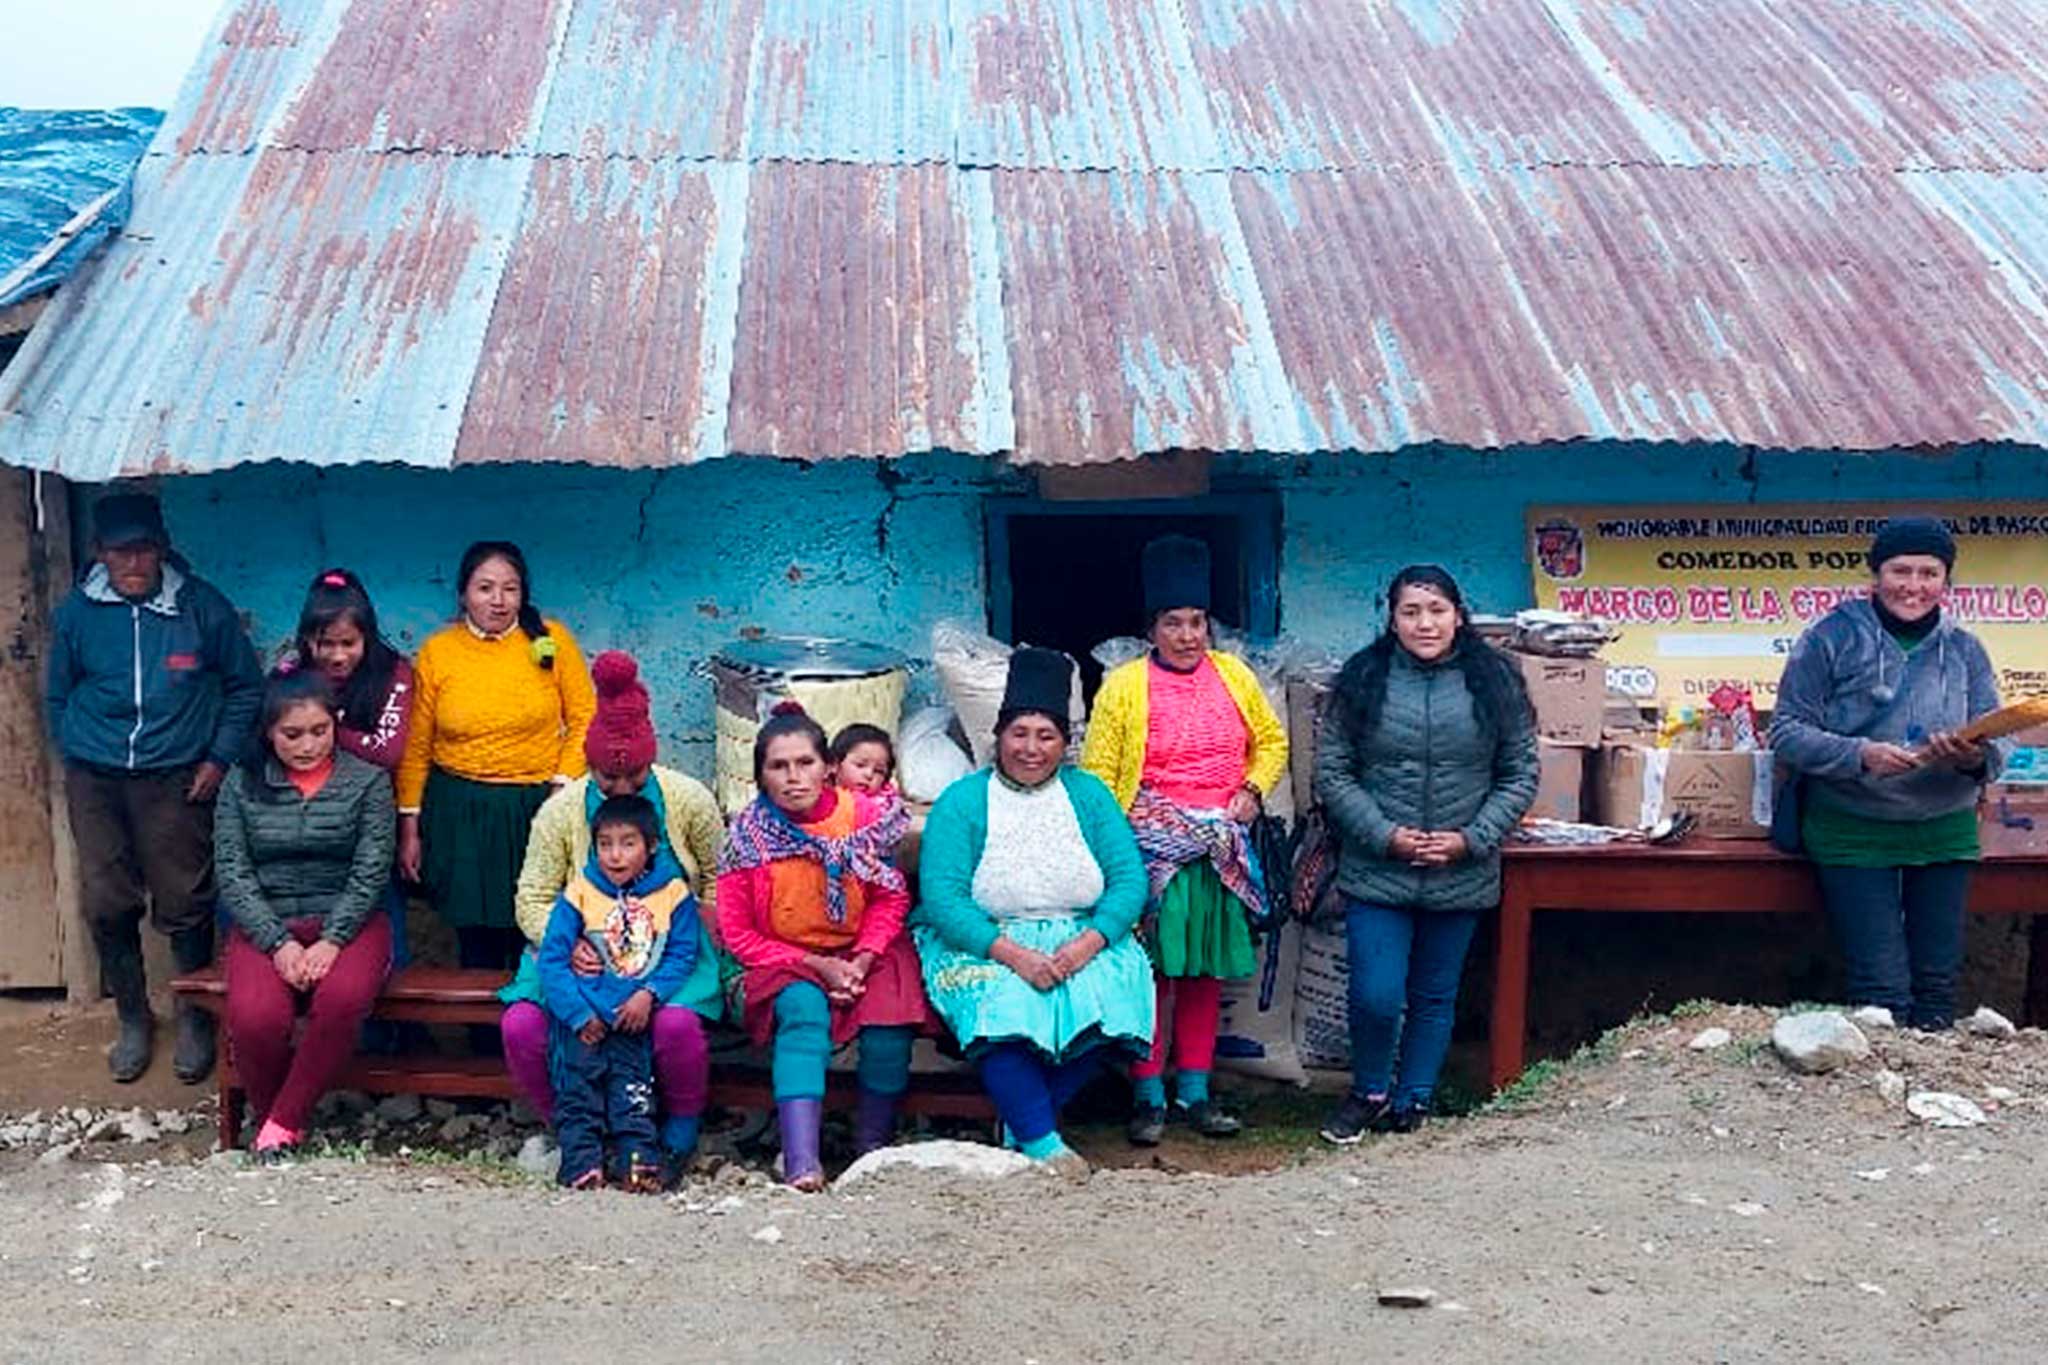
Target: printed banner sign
1705,595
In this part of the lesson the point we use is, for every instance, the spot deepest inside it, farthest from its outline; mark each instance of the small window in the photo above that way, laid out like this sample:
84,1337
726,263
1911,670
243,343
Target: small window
1066,575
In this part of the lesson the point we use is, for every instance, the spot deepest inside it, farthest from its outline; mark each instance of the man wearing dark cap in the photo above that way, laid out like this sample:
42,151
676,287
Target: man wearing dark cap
153,690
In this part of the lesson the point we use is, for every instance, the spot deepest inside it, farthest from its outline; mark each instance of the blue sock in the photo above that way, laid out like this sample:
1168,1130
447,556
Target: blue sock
1191,1086
1149,1091
679,1134
1044,1148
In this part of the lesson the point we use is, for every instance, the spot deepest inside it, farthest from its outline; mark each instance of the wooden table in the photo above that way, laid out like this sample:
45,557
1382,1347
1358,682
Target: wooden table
1702,876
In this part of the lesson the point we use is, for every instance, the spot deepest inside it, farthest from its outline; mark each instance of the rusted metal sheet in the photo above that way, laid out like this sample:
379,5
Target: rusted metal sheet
606,344
1296,85
312,306
869,319
468,77
869,83
653,78
1135,319
1080,84
1066,231
248,67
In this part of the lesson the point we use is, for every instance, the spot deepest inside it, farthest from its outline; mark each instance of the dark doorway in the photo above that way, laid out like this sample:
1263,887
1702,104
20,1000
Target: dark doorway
1067,575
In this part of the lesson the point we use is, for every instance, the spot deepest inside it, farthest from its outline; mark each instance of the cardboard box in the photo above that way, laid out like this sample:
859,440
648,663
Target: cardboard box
1561,791
2013,820
1570,697
1728,793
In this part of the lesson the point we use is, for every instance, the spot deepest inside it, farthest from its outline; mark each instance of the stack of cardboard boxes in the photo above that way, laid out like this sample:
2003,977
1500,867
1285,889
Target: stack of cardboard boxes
1601,761
1570,697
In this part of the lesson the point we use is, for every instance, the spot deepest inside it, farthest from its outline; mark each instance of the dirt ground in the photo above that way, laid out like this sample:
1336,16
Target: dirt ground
1642,1202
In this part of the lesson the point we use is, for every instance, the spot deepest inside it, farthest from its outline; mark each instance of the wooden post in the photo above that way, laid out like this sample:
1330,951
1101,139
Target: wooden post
34,874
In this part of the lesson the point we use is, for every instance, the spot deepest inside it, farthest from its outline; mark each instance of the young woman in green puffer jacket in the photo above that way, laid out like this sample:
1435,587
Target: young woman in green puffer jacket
1426,762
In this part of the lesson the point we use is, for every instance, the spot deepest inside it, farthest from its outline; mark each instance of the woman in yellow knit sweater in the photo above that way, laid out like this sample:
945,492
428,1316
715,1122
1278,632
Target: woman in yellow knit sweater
501,701
1190,746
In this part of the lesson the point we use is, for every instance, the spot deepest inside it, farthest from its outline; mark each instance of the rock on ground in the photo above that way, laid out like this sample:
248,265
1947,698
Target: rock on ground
1873,1016
400,1108
1707,1039
1817,1042
539,1157
1989,1023
971,1159
1944,1110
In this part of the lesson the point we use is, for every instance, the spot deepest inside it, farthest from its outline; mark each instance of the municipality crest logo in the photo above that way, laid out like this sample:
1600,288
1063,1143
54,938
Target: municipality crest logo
1560,549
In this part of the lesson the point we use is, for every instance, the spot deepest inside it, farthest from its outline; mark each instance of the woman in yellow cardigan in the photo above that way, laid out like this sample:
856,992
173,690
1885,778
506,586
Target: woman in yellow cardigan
1190,746
501,701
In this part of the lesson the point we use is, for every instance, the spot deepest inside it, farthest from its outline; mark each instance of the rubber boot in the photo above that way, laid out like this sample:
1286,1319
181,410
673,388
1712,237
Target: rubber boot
122,971
192,1055
801,1122
874,1122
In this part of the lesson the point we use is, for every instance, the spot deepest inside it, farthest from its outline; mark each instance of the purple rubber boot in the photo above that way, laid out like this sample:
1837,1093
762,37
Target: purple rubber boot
874,1122
801,1121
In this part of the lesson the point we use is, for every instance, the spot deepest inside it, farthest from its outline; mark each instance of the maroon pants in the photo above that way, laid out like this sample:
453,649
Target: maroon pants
285,1081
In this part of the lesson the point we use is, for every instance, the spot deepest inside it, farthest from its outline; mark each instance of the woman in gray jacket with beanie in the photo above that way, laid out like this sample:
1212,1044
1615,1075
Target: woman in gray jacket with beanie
1427,760
1866,714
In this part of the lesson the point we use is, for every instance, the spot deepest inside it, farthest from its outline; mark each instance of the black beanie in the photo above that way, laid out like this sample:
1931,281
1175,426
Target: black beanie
1176,572
1041,681
1913,536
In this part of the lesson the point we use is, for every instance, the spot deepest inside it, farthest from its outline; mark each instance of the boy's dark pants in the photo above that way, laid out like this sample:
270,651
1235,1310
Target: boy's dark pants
602,1091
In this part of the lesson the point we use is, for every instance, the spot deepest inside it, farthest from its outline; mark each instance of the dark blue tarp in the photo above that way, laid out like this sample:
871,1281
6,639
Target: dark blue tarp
54,162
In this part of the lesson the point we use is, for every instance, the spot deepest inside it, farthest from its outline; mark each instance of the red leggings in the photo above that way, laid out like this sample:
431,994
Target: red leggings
1195,1006
285,1082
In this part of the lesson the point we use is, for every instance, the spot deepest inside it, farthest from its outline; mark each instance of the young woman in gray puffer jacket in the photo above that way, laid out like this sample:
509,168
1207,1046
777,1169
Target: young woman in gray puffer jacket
303,843
1427,760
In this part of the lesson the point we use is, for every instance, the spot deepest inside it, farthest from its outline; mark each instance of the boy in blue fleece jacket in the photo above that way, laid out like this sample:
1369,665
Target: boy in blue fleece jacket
633,904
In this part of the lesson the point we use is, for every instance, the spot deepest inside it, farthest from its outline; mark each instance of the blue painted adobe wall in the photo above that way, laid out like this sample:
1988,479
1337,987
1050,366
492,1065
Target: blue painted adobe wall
672,564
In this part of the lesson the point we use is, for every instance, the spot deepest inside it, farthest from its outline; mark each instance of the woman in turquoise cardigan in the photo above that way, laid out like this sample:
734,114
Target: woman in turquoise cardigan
1032,883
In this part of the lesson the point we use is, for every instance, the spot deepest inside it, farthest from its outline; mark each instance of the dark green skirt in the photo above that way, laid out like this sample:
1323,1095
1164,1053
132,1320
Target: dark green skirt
473,841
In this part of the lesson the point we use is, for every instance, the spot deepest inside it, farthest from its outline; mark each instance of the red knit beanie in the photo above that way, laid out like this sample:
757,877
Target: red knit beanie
621,738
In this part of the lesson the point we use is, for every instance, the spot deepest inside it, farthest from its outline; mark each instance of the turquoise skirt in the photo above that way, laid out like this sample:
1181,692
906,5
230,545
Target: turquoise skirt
701,991
984,1002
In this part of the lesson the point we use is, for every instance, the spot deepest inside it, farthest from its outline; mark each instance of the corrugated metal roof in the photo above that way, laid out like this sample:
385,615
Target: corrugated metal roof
655,231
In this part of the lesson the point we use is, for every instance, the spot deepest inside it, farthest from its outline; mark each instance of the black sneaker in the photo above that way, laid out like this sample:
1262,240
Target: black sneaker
1147,1127
1406,1119
1210,1119
1354,1118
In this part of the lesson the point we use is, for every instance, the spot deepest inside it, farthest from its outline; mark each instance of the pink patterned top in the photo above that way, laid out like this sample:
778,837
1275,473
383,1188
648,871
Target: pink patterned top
1196,741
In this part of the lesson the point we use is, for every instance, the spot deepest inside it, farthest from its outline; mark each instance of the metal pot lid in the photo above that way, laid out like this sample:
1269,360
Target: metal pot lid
809,656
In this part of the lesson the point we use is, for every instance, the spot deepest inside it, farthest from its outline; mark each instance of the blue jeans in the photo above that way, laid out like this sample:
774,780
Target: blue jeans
604,1098
1901,935
1405,967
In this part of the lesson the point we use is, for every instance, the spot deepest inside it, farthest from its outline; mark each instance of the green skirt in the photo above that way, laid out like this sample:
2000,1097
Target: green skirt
473,837
1109,1001
1199,928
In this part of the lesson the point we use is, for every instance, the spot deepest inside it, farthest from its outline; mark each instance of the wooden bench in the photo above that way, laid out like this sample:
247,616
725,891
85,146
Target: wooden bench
457,995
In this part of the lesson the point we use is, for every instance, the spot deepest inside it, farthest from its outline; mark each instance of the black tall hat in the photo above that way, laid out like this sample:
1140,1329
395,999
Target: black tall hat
1040,680
1176,570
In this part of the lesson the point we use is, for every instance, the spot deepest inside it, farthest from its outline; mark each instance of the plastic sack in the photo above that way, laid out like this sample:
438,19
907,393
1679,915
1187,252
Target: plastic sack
928,759
1322,990
973,668
1256,1039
